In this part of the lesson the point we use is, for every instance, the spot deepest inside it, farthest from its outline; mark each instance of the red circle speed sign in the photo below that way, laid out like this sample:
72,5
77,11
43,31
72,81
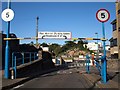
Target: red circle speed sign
102,15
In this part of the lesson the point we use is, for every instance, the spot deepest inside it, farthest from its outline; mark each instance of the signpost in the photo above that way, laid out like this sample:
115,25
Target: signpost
7,15
103,15
55,35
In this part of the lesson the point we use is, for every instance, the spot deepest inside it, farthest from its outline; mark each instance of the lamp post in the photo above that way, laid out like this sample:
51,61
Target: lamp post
37,30
97,46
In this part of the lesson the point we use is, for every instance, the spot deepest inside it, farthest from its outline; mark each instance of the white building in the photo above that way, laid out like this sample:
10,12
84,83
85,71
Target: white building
93,46
45,48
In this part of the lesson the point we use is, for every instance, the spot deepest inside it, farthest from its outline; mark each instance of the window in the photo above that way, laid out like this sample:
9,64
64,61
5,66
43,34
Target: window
111,44
114,26
115,42
119,11
115,56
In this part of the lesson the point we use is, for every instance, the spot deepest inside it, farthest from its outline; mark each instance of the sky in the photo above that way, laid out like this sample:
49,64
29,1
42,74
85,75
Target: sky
76,17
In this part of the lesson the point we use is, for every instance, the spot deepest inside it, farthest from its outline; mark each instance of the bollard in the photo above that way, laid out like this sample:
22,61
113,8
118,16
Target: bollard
15,67
60,60
87,64
55,59
12,74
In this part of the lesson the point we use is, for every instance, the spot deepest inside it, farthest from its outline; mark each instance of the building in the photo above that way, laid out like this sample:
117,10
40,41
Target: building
115,40
98,48
45,48
93,46
13,44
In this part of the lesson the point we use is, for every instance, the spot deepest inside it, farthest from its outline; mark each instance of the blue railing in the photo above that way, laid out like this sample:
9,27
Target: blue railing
98,66
21,58
87,63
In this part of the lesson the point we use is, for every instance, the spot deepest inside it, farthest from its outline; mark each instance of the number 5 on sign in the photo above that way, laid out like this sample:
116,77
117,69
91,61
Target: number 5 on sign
7,15
102,15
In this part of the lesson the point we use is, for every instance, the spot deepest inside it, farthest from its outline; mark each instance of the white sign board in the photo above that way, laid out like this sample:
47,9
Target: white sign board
7,15
55,35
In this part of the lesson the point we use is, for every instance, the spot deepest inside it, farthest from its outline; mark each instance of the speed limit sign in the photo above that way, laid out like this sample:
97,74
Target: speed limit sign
102,15
7,15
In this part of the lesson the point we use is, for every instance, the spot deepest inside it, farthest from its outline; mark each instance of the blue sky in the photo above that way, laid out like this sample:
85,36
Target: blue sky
78,18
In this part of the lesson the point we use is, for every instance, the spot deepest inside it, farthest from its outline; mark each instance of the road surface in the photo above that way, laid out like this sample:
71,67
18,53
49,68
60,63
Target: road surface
67,78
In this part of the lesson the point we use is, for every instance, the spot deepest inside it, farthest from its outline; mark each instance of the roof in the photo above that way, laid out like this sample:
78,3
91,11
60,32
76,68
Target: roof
114,21
111,39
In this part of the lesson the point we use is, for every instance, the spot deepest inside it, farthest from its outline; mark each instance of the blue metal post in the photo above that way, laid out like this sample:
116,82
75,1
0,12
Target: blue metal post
97,47
88,67
30,57
12,59
34,56
15,67
6,74
87,63
22,58
104,63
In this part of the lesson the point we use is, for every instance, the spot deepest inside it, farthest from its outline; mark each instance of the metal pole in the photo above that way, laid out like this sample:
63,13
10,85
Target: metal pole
104,63
97,47
6,74
37,30
23,58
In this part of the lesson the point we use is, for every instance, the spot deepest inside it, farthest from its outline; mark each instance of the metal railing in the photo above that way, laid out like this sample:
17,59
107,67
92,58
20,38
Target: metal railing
21,58
98,65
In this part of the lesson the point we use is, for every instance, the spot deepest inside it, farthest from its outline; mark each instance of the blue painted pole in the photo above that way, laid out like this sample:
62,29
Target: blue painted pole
30,57
87,64
15,67
104,63
6,74
88,67
22,58
34,56
12,59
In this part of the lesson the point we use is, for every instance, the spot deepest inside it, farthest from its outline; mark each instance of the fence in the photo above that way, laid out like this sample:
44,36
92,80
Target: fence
21,58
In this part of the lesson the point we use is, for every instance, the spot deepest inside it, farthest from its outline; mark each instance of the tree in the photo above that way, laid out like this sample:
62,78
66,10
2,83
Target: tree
31,43
44,45
70,44
55,48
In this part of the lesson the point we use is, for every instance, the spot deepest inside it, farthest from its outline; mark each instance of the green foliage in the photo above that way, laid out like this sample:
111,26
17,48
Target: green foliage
55,48
31,43
69,45
44,45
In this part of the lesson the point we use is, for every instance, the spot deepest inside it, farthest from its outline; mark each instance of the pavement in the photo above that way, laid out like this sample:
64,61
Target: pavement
10,83
0,79
95,79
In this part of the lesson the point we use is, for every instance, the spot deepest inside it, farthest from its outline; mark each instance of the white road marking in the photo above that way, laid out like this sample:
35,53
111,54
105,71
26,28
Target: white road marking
17,86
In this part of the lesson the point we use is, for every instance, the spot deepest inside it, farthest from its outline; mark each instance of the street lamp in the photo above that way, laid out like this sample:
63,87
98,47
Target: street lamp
97,46
37,30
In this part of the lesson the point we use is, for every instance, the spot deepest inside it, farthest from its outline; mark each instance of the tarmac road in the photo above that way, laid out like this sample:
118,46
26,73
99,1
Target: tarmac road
60,79
67,78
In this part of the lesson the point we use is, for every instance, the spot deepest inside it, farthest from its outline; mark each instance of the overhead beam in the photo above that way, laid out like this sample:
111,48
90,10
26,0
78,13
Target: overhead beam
65,38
